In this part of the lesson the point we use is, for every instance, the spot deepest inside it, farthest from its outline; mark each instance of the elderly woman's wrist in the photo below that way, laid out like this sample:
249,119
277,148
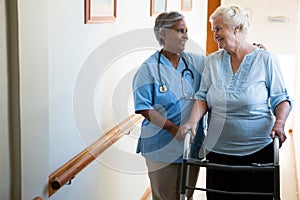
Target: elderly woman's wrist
279,122
192,122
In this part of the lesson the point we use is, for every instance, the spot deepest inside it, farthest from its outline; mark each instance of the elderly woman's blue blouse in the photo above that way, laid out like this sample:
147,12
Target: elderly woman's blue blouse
242,104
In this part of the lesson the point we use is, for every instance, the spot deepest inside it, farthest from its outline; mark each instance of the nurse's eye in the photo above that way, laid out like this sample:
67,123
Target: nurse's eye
182,31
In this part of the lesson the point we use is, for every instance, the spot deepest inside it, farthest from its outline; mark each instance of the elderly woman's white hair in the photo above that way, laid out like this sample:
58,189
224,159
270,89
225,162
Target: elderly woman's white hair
233,16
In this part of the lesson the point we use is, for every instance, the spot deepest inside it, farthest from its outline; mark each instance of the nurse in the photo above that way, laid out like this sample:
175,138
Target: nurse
163,90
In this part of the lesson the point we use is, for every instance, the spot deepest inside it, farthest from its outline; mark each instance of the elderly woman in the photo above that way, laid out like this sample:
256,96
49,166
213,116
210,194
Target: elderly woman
244,93
163,90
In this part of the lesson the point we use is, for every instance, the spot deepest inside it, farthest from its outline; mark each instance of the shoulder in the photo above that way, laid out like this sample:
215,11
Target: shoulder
266,53
195,60
150,63
267,56
217,54
194,57
152,58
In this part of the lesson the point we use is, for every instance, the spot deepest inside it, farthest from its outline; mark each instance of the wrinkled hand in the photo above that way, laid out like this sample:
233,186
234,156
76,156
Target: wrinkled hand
261,46
278,129
184,129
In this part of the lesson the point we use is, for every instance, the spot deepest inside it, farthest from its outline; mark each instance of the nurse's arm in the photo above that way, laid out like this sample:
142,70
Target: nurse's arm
157,119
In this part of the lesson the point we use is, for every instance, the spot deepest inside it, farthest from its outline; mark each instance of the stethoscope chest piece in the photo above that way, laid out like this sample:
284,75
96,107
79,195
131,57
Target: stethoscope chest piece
163,88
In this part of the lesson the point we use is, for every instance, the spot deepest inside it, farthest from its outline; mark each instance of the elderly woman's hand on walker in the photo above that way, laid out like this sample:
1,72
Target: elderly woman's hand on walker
198,111
189,126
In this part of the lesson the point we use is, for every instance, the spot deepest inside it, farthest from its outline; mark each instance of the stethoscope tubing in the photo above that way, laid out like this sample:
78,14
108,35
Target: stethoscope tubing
162,87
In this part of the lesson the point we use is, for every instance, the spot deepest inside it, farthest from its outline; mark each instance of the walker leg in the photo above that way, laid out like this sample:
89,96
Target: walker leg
182,196
276,183
183,181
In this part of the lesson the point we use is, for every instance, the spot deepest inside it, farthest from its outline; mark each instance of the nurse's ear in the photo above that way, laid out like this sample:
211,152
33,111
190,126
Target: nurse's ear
162,34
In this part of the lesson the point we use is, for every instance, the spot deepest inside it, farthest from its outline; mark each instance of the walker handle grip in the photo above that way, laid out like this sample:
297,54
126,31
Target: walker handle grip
187,145
276,145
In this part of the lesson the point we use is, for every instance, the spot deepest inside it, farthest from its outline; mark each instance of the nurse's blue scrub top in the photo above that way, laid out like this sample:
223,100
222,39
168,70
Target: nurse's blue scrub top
156,143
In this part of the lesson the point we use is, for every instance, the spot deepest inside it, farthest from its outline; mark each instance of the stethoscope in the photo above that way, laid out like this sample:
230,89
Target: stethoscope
163,88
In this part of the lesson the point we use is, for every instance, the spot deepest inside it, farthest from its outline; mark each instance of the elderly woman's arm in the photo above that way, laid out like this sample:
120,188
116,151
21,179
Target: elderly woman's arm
198,111
282,111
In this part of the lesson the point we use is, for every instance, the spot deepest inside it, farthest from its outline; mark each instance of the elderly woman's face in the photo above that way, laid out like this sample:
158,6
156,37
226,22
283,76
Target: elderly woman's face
224,35
176,37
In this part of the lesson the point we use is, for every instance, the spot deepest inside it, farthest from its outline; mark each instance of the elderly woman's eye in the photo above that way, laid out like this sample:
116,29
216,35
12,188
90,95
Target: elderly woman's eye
217,29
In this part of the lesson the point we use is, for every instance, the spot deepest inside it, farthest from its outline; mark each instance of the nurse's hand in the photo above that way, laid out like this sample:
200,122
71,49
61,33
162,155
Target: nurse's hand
184,129
261,46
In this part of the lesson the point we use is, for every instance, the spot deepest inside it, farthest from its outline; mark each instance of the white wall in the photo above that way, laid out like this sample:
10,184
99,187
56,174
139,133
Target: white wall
55,50
72,92
296,109
4,132
277,37
34,96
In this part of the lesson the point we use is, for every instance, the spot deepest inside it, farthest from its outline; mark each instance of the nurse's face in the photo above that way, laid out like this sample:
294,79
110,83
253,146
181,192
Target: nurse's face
176,37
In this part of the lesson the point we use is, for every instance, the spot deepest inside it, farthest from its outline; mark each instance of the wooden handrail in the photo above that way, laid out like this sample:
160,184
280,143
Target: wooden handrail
146,194
68,171
38,198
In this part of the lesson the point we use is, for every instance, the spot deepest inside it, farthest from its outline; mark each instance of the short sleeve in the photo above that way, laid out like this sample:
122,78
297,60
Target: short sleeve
142,87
